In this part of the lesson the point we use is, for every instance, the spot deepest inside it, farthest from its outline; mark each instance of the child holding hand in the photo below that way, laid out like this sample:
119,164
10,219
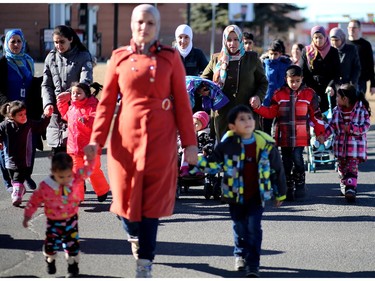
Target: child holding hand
78,108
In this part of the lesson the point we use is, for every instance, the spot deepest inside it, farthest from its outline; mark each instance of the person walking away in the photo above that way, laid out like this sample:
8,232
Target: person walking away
154,106
349,58
295,106
365,56
240,74
252,173
275,66
349,124
17,82
16,140
78,108
59,193
68,62
320,64
193,58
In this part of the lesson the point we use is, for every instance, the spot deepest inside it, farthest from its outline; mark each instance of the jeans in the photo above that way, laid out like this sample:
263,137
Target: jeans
146,231
6,176
247,232
293,160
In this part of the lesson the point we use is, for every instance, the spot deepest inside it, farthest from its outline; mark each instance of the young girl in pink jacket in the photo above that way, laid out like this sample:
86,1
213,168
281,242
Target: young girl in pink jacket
79,109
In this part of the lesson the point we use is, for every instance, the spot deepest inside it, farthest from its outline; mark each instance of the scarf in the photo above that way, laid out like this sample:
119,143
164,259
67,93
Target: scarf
184,29
220,70
22,63
312,50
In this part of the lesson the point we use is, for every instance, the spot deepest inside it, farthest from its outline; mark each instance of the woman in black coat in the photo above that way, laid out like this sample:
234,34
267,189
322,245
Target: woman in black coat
320,63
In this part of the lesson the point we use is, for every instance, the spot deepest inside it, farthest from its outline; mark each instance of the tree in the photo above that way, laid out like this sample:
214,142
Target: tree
275,16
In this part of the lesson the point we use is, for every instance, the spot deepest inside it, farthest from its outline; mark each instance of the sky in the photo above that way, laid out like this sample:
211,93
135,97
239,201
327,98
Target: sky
333,11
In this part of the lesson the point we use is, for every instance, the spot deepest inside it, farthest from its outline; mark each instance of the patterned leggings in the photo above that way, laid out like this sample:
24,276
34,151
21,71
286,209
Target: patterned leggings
63,232
348,172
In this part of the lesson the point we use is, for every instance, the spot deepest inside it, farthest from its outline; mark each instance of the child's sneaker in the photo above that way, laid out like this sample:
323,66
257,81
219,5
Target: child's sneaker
252,272
350,195
239,264
144,268
51,267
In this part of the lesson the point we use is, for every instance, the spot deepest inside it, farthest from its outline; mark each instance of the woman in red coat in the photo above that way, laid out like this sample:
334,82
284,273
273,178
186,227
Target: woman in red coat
142,151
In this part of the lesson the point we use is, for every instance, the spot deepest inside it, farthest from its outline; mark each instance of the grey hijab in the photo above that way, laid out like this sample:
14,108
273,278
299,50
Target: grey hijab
152,10
338,33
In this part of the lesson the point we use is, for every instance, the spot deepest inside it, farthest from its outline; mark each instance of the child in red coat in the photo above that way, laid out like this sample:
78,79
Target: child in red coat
294,105
80,116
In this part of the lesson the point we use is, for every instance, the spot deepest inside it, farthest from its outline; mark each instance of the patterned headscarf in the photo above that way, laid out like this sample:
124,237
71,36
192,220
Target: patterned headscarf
312,50
220,71
184,29
19,62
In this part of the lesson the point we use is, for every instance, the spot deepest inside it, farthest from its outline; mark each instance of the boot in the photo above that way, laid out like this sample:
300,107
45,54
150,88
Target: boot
50,260
300,185
290,193
73,270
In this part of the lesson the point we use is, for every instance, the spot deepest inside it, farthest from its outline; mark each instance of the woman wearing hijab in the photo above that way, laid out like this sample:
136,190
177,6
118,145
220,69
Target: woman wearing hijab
193,58
240,74
17,82
320,63
142,149
349,58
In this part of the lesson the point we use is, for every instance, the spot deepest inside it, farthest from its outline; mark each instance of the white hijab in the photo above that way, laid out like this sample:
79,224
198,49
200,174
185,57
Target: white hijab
184,29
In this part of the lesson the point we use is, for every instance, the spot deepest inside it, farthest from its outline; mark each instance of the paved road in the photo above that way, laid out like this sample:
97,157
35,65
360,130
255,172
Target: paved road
321,237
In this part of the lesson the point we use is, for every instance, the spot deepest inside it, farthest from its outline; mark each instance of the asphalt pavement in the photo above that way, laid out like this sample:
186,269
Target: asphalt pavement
321,236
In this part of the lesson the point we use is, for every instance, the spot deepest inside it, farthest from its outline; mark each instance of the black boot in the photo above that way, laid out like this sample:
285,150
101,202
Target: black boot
290,193
73,270
299,179
51,267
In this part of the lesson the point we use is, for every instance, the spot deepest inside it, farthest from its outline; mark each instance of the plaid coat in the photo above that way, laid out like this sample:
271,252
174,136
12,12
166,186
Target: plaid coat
353,144
293,112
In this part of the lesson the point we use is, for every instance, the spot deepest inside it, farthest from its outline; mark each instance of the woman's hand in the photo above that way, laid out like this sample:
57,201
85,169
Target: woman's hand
191,154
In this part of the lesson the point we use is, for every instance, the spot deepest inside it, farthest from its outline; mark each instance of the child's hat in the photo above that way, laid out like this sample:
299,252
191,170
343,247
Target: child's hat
203,117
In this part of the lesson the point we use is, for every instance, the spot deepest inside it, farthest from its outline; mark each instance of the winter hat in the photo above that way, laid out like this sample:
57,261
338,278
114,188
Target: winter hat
203,117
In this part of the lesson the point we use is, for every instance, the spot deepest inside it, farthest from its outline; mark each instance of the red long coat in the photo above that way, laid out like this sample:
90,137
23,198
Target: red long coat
142,151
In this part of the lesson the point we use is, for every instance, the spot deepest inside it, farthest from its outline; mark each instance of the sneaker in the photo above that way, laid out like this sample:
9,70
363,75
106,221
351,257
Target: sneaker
103,197
30,183
239,264
51,267
73,270
350,195
252,272
144,268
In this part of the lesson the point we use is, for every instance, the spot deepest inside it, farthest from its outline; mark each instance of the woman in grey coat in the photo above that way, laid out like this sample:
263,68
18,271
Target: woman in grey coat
68,62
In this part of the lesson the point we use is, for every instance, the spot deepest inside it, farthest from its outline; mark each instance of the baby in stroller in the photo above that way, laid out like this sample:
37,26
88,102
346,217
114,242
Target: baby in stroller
205,146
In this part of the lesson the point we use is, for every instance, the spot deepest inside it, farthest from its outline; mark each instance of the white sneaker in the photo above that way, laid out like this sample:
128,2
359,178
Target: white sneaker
239,264
143,268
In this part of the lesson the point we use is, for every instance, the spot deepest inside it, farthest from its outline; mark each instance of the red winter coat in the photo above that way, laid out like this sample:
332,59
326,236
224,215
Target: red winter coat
292,126
142,150
80,116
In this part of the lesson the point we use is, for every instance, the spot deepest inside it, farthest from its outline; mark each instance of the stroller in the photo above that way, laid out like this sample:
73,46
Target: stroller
321,154
211,183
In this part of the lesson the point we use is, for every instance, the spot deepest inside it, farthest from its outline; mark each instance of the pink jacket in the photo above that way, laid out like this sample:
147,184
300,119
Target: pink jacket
60,202
80,117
